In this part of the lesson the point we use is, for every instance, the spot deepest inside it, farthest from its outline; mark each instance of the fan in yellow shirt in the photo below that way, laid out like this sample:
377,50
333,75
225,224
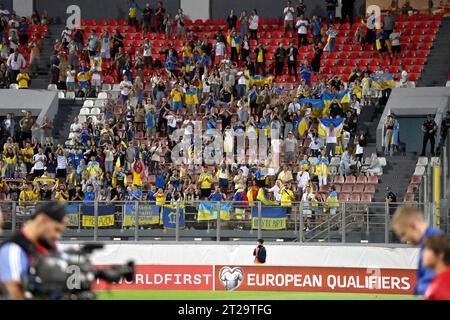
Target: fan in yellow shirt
28,196
160,197
287,196
205,181
22,79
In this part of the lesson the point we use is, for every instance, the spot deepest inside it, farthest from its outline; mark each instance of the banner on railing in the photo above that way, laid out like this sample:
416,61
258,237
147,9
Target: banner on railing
147,214
208,211
106,214
24,211
169,216
272,218
73,214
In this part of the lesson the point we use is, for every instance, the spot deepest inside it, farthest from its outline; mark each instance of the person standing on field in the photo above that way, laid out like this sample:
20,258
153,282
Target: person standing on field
260,252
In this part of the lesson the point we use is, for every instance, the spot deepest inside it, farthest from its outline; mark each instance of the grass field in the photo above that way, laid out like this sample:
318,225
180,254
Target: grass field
244,295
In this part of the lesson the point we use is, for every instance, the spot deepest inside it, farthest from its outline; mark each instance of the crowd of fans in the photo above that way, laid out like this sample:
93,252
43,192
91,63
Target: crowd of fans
21,41
124,150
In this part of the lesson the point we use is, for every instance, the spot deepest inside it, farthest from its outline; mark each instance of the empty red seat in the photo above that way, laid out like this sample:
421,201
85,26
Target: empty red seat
413,77
366,55
339,180
361,180
347,188
349,48
397,62
344,197
416,180
372,180
359,188
354,55
428,39
363,63
122,29
419,61
365,197
350,180
369,188
355,197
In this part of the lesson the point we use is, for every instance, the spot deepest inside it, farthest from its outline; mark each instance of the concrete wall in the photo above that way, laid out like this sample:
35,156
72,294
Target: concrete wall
39,102
280,254
415,102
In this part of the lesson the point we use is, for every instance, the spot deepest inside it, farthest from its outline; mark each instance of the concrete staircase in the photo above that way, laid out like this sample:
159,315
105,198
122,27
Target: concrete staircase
42,81
67,110
438,63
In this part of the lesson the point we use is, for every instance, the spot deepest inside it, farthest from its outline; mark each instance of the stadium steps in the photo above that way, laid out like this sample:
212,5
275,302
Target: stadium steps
396,175
67,110
438,63
43,79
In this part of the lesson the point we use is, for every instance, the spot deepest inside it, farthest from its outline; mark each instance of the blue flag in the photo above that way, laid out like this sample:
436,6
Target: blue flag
169,216
272,218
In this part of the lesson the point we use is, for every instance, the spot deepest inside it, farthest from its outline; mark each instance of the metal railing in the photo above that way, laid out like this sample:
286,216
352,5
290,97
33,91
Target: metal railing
349,222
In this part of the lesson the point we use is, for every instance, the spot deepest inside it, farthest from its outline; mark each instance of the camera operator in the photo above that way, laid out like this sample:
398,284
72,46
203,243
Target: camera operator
36,238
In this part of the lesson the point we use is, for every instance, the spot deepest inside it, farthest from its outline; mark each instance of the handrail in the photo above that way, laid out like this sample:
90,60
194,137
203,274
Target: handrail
350,217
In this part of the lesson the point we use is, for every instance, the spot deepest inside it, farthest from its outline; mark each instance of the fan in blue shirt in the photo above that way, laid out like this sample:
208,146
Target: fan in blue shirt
409,224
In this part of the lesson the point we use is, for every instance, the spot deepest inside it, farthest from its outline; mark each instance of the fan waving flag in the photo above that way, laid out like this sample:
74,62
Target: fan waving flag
324,126
383,81
259,80
343,96
317,106
302,126
394,139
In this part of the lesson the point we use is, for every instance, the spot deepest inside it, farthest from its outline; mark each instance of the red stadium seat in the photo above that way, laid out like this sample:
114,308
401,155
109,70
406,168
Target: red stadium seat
344,197
347,188
361,180
373,180
358,188
355,197
350,180
416,180
339,180
365,197
369,188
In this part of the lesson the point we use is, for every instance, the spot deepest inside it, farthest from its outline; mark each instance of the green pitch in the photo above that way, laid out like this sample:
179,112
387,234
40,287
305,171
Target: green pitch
244,295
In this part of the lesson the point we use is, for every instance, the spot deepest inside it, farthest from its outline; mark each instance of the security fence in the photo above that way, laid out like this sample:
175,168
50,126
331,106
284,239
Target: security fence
346,222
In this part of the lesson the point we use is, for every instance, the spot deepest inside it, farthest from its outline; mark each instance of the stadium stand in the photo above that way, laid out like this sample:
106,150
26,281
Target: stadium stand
127,92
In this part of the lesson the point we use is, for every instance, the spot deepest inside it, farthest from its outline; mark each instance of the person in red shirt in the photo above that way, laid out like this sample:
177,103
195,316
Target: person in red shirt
436,255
